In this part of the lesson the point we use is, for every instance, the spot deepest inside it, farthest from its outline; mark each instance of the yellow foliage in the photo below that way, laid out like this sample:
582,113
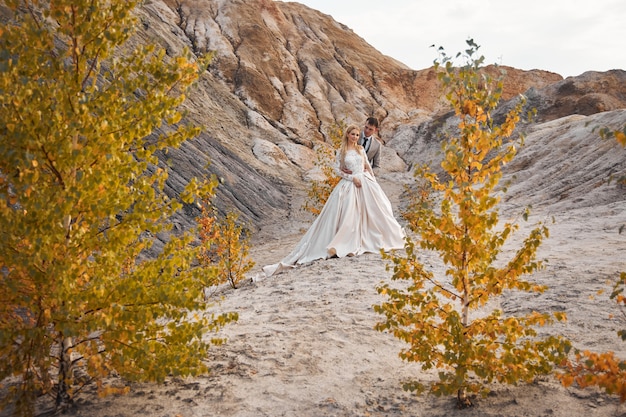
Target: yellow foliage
318,193
603,370
621,137
438,316
224,246
81,199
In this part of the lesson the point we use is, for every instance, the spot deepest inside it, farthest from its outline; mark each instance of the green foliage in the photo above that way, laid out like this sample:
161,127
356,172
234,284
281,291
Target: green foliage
619,135
80,201
225,247
318,194
446,320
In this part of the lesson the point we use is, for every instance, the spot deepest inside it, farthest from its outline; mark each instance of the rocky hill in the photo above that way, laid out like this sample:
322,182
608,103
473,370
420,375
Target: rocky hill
283,74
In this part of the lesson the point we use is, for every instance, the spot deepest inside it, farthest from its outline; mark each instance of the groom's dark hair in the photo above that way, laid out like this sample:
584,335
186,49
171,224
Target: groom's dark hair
372,121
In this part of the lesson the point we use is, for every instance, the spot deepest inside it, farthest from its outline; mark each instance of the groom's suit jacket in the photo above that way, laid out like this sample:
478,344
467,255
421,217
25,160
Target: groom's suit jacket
374,151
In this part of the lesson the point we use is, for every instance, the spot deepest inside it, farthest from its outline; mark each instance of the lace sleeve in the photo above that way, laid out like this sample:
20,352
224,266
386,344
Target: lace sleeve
337,168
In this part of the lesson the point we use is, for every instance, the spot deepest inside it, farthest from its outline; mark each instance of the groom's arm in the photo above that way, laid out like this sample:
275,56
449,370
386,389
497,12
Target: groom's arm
376,158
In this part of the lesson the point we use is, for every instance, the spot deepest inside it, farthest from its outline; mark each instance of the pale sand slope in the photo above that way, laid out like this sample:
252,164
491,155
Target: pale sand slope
304,344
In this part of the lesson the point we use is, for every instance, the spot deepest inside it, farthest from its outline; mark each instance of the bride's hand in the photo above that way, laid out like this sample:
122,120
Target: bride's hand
356,181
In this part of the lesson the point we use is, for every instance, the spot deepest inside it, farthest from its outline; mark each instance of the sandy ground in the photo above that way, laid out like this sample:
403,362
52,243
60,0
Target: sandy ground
305,345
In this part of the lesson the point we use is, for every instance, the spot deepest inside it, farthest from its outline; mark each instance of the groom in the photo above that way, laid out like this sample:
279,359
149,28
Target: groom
370,142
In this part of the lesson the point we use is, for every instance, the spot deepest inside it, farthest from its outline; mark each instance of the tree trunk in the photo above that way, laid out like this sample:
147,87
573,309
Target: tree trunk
462,400
64,397
466,295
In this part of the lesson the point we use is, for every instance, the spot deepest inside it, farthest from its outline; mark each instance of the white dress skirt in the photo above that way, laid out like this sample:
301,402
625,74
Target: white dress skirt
354,220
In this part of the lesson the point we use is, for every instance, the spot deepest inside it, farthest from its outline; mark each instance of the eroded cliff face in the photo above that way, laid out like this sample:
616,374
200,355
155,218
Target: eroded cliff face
303,70
283,74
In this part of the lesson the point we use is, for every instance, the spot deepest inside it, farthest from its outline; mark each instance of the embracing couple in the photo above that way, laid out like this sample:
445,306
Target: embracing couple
357,217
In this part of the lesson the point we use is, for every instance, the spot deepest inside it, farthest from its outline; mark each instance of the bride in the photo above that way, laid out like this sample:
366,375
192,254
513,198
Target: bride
357,217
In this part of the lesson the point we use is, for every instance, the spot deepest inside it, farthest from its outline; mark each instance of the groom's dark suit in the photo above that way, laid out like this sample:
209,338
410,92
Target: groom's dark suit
373,149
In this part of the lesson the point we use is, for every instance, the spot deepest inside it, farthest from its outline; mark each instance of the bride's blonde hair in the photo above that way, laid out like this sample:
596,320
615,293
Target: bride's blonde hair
344,144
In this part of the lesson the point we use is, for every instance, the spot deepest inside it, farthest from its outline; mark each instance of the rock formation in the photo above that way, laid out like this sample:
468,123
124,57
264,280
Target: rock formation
283,74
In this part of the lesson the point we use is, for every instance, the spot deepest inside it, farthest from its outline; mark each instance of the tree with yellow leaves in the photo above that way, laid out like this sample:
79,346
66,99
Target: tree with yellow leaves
224,247
81,199
318,193
446,320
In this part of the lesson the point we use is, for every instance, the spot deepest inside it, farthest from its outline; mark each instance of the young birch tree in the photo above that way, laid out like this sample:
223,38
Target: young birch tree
81,201
444,319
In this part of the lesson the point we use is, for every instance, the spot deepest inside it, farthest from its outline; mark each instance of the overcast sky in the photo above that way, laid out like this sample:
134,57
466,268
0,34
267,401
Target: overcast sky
568,37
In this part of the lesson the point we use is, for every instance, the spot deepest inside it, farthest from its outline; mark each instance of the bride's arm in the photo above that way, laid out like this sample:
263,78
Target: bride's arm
341,173
337,168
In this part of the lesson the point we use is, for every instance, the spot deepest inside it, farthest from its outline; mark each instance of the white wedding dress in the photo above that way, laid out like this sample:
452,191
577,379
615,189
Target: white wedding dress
354,220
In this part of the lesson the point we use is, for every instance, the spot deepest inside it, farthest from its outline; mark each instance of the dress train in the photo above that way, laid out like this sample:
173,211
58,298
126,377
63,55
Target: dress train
354,220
